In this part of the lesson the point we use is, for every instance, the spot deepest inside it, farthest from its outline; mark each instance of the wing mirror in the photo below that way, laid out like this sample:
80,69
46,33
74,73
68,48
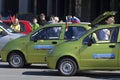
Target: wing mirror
34,38
88,40
89,43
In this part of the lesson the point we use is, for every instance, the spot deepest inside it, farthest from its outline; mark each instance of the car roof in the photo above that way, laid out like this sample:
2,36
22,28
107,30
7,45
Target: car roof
69,23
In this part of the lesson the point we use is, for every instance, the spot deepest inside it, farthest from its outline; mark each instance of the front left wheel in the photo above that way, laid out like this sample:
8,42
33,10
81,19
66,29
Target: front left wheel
16,60
67,67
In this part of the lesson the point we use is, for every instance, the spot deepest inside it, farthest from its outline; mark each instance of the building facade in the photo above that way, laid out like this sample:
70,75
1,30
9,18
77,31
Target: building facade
86,10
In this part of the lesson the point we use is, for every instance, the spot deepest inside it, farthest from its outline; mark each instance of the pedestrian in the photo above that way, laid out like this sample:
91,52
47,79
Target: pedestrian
68,18
35,25
51,20
56,19
72,19
16,26
110,20
42,20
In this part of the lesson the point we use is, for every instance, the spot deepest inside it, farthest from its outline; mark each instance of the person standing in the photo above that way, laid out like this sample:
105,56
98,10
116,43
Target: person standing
42,20
35,25
110,20
16,26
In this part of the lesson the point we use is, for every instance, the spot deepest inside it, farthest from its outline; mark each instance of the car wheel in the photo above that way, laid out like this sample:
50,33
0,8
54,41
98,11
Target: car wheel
67,67
16,60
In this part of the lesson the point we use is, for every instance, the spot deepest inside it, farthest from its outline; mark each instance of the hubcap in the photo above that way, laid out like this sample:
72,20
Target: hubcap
15,60
66,67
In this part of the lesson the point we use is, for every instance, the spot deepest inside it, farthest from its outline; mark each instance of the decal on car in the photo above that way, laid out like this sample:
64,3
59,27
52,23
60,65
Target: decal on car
43,47
104,56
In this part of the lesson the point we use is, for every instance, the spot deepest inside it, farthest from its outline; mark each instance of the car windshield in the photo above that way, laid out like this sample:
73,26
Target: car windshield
7,28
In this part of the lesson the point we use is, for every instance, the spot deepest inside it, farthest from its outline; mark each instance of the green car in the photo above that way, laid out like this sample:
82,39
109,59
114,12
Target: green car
87,52
34,47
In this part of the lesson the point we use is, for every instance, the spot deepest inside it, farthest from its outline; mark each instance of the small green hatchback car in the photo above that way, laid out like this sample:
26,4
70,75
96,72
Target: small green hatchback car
34,47
88,52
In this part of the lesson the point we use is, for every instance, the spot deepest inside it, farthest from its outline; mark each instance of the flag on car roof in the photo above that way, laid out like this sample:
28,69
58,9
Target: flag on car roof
75,20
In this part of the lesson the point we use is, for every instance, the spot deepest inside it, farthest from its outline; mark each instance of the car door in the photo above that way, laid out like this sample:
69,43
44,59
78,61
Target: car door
42,41
99,54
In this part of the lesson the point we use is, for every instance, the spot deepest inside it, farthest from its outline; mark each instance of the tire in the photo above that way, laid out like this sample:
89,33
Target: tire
67,67
16,60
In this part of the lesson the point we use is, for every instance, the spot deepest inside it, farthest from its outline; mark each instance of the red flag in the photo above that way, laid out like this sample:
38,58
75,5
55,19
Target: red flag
66,26
66,23
12,18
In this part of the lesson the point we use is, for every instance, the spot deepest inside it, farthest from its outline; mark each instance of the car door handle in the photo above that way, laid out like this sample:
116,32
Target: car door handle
54,42
112,46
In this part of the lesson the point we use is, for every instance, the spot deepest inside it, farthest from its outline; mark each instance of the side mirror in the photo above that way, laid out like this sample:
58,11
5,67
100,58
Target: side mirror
89,43
34,39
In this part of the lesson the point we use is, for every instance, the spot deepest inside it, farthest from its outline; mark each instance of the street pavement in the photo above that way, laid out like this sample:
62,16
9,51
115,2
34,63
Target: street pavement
41,72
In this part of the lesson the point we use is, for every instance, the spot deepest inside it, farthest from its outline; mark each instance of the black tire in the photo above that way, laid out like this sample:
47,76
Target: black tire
67,67
16,60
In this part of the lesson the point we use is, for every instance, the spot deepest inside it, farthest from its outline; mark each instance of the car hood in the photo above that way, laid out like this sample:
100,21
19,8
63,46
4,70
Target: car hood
15,35
102,17
11,36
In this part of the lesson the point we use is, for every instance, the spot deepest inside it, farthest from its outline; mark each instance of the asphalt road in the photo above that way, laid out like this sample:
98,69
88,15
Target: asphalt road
41,72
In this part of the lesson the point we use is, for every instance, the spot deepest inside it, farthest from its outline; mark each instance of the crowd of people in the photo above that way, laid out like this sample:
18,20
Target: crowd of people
40,21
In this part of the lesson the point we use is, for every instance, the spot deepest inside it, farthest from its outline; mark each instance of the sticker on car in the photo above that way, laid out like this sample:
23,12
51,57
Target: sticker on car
43,47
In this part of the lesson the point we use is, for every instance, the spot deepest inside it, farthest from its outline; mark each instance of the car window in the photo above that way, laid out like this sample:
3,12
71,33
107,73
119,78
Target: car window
22,27
74,32
49,33
103,36
114,36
